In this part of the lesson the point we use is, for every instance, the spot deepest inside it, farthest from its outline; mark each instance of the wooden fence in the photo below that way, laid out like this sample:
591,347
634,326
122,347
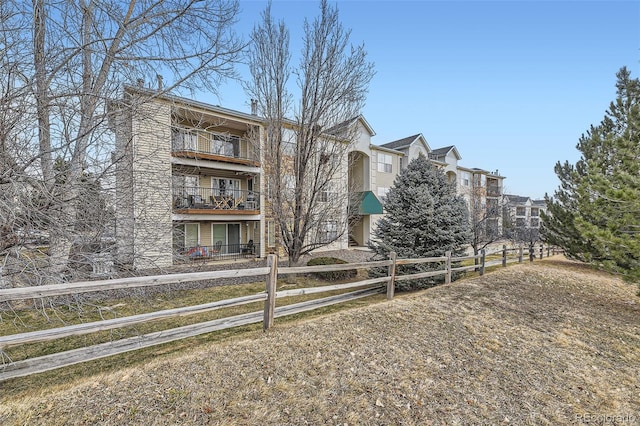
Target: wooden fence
363,288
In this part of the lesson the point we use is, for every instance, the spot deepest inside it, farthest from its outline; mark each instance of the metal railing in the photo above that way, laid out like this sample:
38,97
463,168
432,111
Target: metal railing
494,191
222,251
203,142
215,199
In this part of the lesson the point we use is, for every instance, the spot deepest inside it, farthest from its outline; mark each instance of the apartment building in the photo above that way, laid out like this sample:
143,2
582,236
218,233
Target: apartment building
188,180
524,212
481,189
191,181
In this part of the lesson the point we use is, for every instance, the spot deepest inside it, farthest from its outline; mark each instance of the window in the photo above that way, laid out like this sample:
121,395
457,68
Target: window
186,236
520,222
288,142
288,187
535,212
465,178
521,211
385,163
225,187
184,139
228,146
226,236
382,191
185,187
271,234
269,188
327,194
401,163
328,231
535,222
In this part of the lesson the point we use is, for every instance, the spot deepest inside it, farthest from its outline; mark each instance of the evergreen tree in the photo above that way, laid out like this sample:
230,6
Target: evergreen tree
595,213
424,218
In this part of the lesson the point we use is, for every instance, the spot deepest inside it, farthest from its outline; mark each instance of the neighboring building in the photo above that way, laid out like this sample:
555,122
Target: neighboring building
523,212
481,189
483,192
188,180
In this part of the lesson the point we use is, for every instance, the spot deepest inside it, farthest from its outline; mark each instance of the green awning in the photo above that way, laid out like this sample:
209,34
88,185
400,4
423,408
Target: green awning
368,203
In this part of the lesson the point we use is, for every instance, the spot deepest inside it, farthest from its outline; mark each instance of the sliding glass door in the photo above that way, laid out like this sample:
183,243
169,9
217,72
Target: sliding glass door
227,235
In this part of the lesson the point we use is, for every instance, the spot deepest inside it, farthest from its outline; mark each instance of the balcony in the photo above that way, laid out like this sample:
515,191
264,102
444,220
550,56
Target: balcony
493,191
215,201
203,145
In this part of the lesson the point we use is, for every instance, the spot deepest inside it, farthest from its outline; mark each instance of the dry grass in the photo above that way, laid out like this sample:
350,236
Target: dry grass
530,344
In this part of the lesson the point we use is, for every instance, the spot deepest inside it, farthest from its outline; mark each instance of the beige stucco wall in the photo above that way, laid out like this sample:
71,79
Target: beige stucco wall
416,149
383,179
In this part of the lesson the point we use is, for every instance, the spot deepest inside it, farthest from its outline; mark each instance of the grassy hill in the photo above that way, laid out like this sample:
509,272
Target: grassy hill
541,343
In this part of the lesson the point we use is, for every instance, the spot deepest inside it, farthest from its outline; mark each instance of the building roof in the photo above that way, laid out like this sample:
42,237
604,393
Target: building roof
401,143
442,152
338,128
516,198
382,148
191,102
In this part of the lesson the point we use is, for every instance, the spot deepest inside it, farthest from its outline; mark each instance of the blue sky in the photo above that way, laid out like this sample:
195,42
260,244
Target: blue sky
512,84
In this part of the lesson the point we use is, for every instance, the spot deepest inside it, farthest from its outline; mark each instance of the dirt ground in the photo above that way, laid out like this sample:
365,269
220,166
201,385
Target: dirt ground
545,343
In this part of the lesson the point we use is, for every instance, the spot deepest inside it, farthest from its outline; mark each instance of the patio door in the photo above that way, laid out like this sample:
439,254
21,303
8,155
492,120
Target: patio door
184,139
228,234
229,187
185,187
186,236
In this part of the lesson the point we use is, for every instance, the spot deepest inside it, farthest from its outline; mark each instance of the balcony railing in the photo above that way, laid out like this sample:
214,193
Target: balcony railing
221,251
213,146
215,199
493,191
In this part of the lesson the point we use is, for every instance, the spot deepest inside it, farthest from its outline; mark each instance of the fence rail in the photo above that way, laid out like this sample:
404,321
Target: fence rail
364,288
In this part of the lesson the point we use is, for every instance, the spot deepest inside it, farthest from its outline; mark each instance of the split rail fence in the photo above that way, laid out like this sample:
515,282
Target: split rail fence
270,273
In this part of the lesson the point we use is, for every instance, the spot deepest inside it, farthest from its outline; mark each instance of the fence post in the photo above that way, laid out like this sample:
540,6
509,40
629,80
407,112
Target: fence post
520,254
270,302
447,276
541,251
548,250
482,257
391,284
504,255
532,254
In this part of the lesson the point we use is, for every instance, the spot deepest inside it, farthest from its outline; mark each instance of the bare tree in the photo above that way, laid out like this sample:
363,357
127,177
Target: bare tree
64,62
306,156
485,217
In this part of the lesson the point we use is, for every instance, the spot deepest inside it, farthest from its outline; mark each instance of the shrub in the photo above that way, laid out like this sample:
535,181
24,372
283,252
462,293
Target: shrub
332,275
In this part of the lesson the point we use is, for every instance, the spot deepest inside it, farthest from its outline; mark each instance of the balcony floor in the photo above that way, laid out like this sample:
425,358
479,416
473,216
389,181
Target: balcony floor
215,157
238,212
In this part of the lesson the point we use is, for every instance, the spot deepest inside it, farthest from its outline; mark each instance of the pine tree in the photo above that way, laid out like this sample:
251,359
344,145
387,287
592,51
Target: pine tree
595,214
424,218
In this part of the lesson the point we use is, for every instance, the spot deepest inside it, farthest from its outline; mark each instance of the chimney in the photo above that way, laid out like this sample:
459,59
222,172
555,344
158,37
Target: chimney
159,78
254,106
